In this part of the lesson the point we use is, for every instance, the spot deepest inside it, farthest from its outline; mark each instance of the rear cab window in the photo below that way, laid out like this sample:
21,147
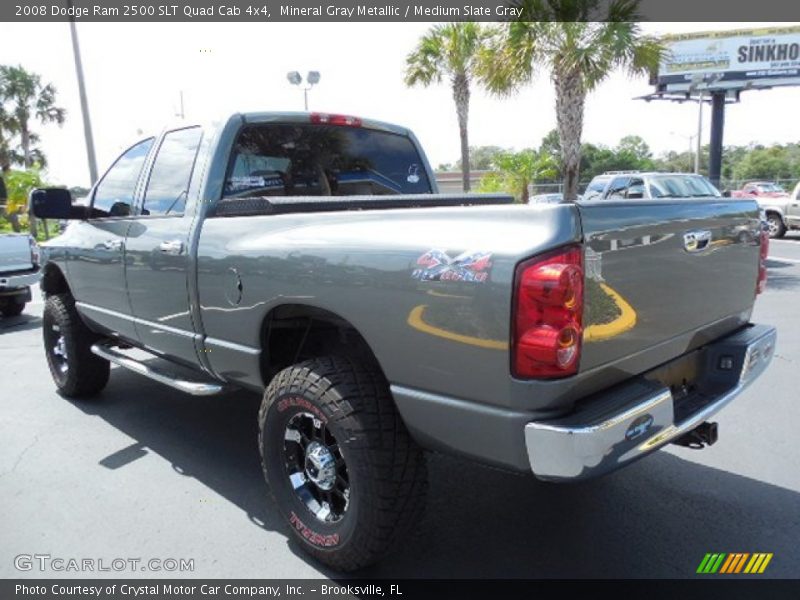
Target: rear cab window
682,186
309,159
168,184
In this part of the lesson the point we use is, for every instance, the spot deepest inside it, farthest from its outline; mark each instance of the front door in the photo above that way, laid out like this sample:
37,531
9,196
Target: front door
157,248
793,209
96,254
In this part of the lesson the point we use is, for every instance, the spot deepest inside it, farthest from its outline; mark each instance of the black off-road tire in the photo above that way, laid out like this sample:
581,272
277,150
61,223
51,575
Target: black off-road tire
385,467
12,308
80,373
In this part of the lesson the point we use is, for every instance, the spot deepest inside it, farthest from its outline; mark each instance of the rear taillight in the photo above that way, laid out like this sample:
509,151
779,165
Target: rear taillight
548,310
761,285
326,119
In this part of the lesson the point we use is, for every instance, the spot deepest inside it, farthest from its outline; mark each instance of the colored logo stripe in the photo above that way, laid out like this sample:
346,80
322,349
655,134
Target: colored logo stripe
711,563
758,563
734,563
721,562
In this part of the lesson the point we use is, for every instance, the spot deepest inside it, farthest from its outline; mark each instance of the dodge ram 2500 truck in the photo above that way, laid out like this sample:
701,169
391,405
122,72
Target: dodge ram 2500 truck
309,258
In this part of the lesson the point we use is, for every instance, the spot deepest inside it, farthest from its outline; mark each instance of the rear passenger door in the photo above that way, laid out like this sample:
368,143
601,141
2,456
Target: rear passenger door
158,250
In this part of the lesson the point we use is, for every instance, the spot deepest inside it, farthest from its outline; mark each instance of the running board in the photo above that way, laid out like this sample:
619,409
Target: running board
195,388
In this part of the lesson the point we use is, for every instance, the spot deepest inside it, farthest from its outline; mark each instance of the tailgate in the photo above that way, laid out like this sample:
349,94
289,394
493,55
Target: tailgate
15,253
661,270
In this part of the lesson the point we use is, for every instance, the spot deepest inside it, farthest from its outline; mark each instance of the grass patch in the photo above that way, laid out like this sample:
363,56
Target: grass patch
600,307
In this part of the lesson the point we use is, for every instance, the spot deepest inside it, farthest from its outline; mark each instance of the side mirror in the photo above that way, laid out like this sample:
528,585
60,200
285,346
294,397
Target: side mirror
55,203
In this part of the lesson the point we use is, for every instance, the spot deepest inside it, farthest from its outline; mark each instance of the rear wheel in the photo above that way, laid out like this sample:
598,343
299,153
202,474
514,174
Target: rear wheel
339,461
67,343
11,307
775,225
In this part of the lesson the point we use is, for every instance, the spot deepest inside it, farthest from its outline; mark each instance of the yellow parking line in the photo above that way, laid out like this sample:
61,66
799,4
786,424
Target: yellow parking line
625,321
416,320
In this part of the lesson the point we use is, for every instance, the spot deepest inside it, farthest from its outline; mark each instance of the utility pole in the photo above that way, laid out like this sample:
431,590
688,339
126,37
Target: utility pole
87,124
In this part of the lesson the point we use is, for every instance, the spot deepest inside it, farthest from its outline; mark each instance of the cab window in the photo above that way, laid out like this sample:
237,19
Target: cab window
616,189
113,196
305,159
168,185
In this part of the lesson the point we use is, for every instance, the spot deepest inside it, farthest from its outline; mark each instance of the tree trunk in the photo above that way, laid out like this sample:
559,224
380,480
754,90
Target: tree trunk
526,197
12,218
461,97
570,101
25,140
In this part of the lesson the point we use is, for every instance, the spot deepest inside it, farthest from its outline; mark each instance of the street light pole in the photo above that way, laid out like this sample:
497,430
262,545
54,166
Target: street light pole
312,78
87,124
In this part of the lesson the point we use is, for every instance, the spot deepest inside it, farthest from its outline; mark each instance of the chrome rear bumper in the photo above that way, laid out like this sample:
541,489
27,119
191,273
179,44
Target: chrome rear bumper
642,415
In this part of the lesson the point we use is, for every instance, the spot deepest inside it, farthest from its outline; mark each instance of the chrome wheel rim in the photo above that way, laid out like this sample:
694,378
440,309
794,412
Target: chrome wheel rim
316,467
773,226
59,351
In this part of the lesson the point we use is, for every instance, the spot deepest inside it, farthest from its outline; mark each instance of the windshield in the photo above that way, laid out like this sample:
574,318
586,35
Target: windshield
323,160
682,186
597,185
770,187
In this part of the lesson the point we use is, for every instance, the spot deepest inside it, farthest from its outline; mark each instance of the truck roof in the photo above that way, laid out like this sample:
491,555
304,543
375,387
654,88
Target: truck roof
278,117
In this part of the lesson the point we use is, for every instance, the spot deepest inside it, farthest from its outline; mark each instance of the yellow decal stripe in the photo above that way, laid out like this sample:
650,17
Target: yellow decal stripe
764,564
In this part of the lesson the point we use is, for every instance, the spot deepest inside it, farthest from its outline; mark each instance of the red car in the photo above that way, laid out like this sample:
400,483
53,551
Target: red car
764,189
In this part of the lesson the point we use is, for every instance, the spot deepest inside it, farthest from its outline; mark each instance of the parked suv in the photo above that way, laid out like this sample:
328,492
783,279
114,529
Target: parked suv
618,185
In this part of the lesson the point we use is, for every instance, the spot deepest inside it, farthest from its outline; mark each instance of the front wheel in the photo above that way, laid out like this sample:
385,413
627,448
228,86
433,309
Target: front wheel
775,226
67,344
342,468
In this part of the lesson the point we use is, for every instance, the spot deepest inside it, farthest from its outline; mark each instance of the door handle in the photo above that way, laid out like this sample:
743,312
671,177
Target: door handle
113,244
171,247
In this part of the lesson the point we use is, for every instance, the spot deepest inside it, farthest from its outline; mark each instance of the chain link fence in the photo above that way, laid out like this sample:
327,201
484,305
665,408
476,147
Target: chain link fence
451,182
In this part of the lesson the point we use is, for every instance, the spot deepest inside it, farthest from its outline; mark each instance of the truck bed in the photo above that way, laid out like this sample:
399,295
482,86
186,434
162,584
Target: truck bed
274,205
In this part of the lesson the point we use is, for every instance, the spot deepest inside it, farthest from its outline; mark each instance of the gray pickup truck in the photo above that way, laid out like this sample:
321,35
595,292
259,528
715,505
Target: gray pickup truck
308,257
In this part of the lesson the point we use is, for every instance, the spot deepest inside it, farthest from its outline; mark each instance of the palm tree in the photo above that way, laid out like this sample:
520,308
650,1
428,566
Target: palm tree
516,171
449,51
28,98
579,55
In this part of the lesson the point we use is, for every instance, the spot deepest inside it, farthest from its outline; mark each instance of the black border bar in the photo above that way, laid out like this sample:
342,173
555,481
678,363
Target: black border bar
338,11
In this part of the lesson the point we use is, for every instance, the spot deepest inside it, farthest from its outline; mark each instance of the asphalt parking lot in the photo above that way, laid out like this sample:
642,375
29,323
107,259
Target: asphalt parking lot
147,472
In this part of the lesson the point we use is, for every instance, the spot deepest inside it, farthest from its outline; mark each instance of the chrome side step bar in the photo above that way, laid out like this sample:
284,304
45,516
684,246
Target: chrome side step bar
195,388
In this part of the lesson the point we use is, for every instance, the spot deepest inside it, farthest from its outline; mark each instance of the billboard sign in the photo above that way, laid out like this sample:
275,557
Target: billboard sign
731,60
